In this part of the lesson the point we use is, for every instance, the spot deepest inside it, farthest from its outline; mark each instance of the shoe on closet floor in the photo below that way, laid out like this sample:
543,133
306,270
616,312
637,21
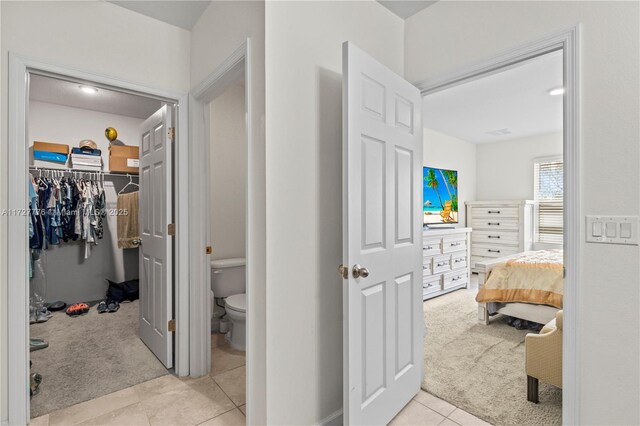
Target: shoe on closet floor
43,316
77,309
103,307
113,306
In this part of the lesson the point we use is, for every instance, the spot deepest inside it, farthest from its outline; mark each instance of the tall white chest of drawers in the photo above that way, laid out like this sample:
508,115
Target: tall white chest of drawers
500,228
445,260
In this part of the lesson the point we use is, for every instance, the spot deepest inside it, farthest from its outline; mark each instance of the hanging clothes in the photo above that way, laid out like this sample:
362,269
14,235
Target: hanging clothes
128,230
66,209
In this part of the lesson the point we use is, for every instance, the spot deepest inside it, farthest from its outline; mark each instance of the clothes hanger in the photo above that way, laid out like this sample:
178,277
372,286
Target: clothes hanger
131,182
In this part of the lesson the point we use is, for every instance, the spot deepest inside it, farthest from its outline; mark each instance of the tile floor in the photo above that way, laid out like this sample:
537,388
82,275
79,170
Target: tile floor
215,400
218,399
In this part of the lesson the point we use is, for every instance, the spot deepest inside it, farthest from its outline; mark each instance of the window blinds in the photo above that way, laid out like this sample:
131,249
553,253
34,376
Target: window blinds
549,190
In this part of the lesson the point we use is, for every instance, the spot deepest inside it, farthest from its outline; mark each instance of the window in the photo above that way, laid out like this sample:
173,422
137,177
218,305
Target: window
548,193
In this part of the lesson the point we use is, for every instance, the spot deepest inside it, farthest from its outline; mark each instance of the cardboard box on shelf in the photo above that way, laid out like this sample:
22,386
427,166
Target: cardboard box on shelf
123,158
51,147
48,151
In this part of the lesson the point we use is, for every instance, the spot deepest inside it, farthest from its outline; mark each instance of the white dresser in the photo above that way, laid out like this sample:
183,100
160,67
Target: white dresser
445,260
500,228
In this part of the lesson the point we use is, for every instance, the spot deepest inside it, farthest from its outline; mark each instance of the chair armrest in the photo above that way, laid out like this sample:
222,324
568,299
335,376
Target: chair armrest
543,356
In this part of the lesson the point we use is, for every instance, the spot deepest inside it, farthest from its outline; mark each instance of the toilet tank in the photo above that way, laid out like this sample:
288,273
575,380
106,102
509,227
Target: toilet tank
228,277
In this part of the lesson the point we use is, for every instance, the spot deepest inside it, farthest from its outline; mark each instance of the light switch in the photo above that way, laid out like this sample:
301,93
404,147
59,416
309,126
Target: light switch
596,230
613,229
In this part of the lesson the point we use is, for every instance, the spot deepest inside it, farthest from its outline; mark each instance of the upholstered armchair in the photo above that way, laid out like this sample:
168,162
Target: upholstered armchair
543,357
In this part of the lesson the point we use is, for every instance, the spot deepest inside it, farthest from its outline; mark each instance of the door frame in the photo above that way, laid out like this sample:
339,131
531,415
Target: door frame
17,250
567,40
237,63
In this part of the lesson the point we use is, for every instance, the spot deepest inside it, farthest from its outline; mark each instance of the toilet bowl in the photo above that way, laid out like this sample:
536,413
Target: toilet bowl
236,307
228,281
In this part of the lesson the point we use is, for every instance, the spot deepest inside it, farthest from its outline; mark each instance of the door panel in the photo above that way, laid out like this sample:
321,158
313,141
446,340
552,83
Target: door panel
155,213
382,232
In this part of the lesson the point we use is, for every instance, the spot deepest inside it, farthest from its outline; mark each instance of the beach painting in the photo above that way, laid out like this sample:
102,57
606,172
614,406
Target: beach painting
439,195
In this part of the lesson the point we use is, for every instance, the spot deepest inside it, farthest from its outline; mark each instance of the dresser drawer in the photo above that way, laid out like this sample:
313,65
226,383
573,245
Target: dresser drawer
459,260
441,264
492,251
453,243
431,284
454,279
482,223
431,246
494,212
495,237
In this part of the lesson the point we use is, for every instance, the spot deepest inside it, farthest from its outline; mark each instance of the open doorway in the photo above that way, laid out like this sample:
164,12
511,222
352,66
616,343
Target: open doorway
227,220
101,269
493,206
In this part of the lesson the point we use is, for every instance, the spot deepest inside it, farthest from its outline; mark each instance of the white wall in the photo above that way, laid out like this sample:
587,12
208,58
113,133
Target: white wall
304,183
70,277
228,174
67,125
505,169
446,152
95,36
450,35
222,28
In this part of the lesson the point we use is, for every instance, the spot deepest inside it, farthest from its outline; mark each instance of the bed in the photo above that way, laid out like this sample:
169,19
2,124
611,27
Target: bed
526,285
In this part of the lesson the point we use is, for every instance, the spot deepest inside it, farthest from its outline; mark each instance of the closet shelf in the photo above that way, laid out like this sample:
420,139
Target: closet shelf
89,172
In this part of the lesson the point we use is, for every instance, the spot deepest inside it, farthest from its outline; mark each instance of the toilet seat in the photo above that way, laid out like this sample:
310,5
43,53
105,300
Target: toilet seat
237,302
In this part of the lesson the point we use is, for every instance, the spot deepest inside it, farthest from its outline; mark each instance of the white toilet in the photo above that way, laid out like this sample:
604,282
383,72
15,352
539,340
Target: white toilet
228,280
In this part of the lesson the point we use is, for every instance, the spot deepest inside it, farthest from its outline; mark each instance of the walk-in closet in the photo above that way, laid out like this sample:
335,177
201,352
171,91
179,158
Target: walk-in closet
84,238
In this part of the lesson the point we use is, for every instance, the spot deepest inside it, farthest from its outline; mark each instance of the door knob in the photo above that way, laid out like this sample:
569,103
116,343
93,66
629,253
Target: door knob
359,271
343,271
137,242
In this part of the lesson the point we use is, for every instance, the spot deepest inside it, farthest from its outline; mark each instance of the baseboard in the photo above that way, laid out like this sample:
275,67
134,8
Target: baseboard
333,419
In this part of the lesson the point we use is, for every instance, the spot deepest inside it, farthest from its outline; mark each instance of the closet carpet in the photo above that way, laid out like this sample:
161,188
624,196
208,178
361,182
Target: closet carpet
481,368
90,356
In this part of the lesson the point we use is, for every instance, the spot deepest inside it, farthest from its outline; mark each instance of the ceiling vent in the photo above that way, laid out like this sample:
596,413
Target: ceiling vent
499,132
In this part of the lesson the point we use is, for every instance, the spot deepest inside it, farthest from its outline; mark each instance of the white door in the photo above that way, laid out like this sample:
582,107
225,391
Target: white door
382,220
155,215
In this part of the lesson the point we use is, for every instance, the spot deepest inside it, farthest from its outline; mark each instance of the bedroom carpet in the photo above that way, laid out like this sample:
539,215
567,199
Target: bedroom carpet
90,356
481,368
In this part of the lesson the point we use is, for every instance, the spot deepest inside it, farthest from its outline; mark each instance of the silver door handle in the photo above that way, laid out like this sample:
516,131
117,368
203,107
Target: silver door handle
343,271
359,271
137,242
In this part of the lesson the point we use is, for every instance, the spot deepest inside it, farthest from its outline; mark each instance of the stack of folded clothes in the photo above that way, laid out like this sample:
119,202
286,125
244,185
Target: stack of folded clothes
87,157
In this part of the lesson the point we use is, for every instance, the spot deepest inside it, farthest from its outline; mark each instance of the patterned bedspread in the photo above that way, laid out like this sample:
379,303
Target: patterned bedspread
533,277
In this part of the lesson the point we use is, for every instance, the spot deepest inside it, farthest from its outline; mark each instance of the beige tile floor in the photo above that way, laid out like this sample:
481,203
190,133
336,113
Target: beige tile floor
218,399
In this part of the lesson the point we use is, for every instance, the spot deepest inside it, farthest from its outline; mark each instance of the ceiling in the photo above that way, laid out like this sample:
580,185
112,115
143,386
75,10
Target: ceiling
405,9
508,105
61,92
181,13
185,13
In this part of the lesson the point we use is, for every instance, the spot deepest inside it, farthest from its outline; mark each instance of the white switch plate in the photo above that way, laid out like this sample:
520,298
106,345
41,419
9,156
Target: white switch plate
600,224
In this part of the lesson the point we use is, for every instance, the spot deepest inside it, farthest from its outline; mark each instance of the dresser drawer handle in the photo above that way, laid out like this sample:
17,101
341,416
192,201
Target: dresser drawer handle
441,264
493,223
427,248
494,212
458,260
493,251
494,236
456,278
455,244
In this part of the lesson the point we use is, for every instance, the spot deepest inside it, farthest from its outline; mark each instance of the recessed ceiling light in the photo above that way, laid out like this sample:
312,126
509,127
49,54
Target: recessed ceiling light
89,90
557,91
499,132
